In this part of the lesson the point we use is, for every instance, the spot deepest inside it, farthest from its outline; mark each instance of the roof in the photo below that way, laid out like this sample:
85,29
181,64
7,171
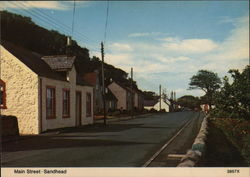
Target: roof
150,102
91,78
60,62
32,60
81,81
122,86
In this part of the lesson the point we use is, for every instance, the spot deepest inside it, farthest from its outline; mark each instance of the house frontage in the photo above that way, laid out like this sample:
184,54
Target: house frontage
43,92
138,100
93,79
123,95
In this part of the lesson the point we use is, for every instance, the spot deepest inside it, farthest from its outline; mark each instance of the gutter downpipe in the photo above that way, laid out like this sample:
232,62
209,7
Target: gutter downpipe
41,111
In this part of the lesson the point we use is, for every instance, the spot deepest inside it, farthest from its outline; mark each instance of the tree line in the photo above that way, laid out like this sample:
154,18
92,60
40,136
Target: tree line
22,31
230,99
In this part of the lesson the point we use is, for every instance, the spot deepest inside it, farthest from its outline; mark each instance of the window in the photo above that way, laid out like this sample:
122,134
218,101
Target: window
88,105
2,95
66,103
50,102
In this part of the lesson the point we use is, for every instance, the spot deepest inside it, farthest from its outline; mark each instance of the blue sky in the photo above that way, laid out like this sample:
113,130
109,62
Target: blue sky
166,42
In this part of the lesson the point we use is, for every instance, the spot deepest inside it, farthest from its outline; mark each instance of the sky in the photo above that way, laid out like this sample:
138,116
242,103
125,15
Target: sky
166,42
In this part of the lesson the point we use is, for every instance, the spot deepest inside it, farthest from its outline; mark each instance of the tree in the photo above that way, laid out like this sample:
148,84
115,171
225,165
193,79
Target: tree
189,101
207,81
149,95
233,100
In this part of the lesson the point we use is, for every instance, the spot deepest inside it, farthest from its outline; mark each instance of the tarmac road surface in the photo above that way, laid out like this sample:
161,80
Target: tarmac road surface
127,143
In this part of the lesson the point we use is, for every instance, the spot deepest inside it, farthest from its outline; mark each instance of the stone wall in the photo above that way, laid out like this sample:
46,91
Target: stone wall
195,154
21,92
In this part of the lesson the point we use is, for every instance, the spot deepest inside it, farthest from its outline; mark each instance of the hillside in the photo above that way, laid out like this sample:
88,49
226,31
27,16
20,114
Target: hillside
24,32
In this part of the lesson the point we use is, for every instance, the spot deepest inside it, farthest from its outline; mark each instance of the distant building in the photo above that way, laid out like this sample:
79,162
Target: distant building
163,104
43,92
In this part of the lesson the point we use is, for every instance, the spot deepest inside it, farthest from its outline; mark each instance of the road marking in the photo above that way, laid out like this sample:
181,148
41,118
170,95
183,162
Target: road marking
166,144
175,156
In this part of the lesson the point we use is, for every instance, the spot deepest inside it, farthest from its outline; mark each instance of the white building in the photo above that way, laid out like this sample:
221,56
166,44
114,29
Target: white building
42,92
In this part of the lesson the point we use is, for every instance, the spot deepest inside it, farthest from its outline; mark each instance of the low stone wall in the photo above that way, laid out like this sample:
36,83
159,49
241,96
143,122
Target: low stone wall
9,126
194,155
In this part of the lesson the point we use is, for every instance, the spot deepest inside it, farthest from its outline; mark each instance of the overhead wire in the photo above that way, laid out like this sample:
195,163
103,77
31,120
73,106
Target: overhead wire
106,23
73,20
48,20
62,26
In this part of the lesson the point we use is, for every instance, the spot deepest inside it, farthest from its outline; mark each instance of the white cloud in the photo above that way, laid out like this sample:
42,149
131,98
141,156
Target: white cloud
190,45
120,47
236,46
172,61
146,34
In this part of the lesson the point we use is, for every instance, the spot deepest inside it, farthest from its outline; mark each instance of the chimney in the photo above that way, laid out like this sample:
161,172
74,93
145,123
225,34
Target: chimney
68,46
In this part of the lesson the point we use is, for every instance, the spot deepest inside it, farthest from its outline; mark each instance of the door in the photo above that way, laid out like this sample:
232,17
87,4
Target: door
78,108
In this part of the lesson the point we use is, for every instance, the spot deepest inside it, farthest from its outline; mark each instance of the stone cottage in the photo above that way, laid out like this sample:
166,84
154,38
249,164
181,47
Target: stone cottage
42,92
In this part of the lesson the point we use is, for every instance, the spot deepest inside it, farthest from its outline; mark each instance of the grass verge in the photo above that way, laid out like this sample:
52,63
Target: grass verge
227,143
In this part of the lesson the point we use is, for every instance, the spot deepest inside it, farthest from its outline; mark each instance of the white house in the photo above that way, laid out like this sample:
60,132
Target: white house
157,104
42,92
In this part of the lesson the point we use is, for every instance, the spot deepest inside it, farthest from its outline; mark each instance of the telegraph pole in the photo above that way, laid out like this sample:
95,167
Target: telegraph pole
160,97
103,86
132,97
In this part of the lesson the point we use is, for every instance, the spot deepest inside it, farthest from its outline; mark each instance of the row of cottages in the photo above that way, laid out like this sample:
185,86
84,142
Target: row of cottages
43,92
158,104
124,96
110,99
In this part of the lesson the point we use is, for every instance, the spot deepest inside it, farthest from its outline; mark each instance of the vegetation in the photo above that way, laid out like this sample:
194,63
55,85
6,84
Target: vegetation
207,81
227,143
233,100
149,95
232,118
189,101
23,32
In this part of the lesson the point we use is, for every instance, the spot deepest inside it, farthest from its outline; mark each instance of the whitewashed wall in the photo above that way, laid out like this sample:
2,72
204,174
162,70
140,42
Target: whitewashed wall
21,92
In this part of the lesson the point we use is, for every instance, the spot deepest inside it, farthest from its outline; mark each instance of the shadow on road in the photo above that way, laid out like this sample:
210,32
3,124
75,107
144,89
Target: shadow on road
51,139
50,142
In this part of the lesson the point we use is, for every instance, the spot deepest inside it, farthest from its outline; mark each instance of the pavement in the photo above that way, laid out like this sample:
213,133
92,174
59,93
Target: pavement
124,143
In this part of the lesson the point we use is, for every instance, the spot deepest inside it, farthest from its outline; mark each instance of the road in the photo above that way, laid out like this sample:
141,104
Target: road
127,143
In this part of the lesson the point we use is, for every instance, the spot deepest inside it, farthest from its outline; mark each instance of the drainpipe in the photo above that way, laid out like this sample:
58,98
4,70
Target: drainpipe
41,106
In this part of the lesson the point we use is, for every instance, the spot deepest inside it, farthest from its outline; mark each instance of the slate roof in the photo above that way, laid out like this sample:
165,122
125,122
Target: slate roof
60,62
150,102
32,60
122,86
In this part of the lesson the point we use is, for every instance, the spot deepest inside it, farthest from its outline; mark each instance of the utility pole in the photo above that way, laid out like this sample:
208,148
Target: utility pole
103,86
132,101
160,97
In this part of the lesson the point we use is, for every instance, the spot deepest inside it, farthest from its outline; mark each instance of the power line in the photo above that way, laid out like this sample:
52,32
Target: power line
74,9
62,25
47,19
106,24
